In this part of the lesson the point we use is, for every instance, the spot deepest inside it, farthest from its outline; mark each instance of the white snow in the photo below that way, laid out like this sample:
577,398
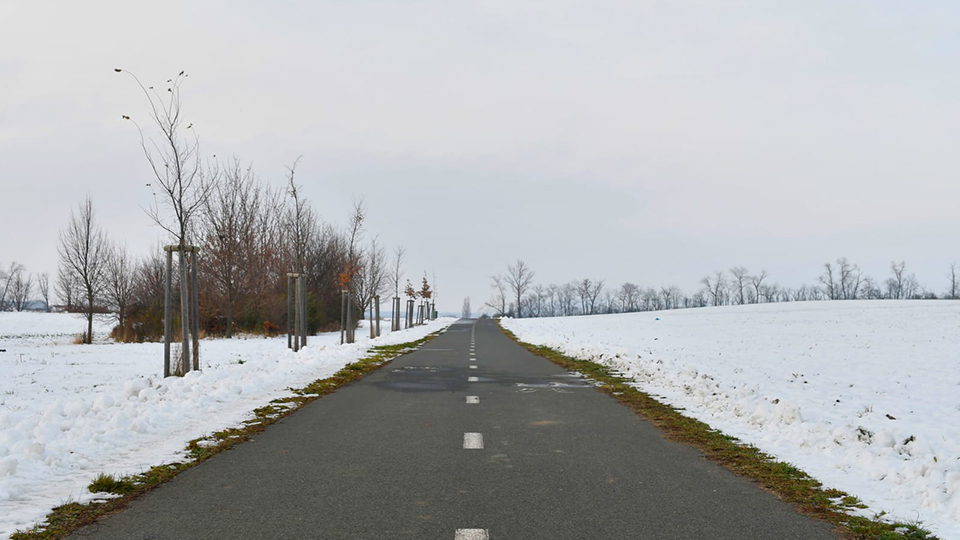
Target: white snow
69,412
864,395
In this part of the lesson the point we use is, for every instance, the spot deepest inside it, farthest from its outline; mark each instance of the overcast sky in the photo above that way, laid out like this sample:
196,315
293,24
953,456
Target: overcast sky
645,141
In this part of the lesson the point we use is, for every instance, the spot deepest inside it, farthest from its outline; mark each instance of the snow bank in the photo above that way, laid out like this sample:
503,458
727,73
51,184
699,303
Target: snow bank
864,396
69,412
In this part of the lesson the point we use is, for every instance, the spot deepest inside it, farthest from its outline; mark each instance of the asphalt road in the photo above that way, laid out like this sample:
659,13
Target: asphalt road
421,450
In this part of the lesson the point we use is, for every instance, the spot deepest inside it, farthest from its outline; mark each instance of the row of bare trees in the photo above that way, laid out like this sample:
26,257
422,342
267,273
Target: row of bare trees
250,235
515,294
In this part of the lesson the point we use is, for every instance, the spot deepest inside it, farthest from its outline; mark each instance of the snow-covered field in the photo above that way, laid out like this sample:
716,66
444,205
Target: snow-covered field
69,412
864,396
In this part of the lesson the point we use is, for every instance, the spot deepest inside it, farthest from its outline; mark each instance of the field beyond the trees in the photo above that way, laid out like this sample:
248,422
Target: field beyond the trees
69,412
864,396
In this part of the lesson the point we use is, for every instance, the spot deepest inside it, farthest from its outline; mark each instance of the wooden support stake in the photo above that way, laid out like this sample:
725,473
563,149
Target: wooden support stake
195,307
297,327
184,310
303,307
167,312
343,316
350,324
289,311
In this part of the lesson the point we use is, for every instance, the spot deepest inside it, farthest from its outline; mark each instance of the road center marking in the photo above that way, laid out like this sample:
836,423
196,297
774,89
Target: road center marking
473,379
472,534
473,400
473,441
473,367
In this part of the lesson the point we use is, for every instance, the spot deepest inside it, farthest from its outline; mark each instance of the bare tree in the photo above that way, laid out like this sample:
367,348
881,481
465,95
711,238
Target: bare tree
912,288
608,302
120,275
629,295
584,287
66,287
769,293
43,282
566,297
519,277
715,287
676,296
830,286
699,299
397,274
869,290
593,293
954,288
8,277
300,219
230,226
371,278
895,285
667,297
83,254
537,300
588,291
466,314
21,290
757,282
174,158
740,277
850,278
354,253
498,302
800,294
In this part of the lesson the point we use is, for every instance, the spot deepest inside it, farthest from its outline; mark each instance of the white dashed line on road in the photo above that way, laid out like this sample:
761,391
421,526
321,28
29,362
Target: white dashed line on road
473,441
472,534
473,367
472,379
473,400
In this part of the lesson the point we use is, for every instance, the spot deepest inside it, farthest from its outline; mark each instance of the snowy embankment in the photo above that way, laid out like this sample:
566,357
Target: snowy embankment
864,396
69,412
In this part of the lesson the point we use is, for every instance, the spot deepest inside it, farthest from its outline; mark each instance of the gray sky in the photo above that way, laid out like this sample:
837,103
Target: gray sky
645,141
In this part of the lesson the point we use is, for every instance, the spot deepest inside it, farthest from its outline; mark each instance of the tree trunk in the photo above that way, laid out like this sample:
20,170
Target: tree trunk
229,332
290,312
89,337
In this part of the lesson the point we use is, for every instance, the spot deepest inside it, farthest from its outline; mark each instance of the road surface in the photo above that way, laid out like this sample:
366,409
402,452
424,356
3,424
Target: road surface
469,438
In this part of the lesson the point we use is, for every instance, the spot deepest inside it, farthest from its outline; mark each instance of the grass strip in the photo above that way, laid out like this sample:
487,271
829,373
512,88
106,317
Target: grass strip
65,519
788,482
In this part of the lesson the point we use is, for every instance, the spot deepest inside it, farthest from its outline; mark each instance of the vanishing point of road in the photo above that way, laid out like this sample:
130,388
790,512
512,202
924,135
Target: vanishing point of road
471,437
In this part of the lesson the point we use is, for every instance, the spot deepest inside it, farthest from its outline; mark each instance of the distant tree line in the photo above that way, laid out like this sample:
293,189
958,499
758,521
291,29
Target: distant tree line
516,295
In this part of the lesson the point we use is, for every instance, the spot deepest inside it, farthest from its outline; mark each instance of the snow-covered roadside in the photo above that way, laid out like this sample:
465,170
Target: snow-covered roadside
69,412
864,396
